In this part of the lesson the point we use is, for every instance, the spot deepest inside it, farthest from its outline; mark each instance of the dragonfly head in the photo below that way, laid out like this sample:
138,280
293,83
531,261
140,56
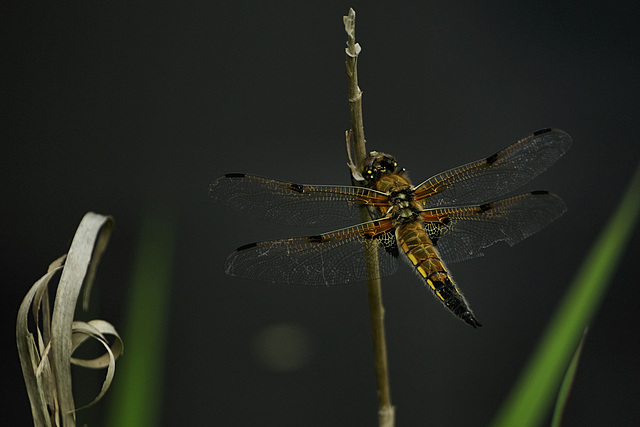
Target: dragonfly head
378,165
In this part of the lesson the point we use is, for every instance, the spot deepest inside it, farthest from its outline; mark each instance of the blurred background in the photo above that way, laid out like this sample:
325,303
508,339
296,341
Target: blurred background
132,108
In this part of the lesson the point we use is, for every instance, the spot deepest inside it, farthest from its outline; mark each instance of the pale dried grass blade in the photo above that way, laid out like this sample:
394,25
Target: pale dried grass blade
97,329
33,355
86,249
45,354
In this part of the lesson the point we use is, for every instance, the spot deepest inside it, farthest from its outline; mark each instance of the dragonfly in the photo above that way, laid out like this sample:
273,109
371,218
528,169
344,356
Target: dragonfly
448,218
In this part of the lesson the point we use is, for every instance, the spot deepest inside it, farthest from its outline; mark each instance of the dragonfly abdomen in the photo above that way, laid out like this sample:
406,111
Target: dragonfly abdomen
417,246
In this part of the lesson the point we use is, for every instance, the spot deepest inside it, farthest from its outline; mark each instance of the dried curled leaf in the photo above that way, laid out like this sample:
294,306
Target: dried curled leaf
97,329
45,354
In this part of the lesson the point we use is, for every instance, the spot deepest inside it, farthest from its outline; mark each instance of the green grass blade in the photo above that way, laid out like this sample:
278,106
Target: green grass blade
137,394
567,382
529,401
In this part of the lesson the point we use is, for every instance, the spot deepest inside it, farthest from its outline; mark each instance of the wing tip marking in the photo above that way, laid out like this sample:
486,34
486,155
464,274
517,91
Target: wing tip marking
247,246
297,187
542,131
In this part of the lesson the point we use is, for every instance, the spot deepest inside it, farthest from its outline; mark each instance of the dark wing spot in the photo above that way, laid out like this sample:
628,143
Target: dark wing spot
393,250
485,207
541,131
234,175
539,192
434,234
491,159
316,239
297,187
247,246
390,246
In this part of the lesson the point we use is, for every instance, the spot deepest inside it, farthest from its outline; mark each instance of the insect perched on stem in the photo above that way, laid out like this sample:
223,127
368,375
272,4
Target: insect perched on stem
450,217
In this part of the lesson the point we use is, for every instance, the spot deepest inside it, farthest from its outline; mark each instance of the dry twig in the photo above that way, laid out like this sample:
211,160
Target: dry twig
386,412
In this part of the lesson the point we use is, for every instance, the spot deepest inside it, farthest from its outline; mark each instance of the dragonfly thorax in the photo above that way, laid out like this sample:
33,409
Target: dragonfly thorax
402,195
403,207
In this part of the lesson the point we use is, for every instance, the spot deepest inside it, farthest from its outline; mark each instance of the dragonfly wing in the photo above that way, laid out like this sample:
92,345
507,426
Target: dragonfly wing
294,204
461,233
326,259
497,174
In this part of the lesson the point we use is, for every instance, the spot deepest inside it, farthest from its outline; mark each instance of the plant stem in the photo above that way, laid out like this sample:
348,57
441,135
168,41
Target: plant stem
386,412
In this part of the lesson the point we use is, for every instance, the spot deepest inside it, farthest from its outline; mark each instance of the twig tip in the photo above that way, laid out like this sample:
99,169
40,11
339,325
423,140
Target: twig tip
350,23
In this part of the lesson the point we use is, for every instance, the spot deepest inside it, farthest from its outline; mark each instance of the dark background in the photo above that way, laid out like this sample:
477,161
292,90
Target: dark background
127,108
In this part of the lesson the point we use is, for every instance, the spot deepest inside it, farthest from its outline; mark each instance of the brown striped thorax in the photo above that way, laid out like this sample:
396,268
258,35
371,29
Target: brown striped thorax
452,216
382,173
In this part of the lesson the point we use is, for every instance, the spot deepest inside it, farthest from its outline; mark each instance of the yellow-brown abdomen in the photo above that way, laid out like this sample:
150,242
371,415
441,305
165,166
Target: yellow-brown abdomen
416,245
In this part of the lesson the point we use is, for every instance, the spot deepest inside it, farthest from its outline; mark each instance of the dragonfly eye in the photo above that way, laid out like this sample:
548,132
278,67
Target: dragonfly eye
379,164
386,165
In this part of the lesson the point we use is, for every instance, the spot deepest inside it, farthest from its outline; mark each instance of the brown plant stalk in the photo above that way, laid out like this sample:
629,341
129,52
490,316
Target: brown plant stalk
386,412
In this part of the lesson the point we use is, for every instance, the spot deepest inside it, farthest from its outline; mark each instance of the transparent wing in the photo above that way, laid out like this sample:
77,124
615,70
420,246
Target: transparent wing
294,204
326,259
461,233
495,175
